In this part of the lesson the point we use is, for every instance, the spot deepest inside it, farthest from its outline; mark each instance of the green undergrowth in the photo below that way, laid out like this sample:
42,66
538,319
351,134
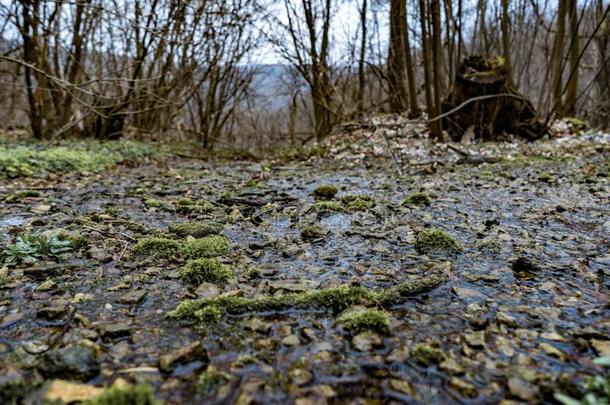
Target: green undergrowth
125,395
40,159
192,248
417,199
360,320
335,298
327,206
325,191
31,248
194,229
189,206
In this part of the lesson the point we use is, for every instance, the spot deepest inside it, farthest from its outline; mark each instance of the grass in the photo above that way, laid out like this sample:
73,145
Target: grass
40,159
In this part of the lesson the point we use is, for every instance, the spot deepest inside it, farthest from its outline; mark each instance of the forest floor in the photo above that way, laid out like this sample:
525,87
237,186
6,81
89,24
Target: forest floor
432,276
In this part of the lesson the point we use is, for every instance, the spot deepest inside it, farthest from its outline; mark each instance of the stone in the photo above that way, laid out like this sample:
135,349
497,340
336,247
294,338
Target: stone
403,386
291,340
115,331
100,254
522,389
464,388
73,362
365,341
451,366
300,376
46,285
506,319
55,310
67,392
602,347
133,297
207,290
189,353
258,325
293,285
475,339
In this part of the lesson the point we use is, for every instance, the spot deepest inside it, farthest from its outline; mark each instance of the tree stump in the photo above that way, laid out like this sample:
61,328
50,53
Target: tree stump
489,118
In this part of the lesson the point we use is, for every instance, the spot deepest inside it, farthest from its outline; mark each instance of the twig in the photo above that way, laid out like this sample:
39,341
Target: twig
472,100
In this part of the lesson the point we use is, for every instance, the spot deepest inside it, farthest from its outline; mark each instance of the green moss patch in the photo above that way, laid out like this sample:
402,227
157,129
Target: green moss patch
312,232
428,354
335,298
160,248
436,240
188,206
365,319
194,229
125,395
206,270
327,206
22,195
210,380
210,246
326,191
417,199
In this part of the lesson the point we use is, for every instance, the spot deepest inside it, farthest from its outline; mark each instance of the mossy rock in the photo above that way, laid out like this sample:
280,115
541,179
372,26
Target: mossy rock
327,206
312,232
194,229
125,395
338,298
153,203
209,246
357,321
210,380
160,248
326,191
188,206
427,354
22,195
417,199
436,240
206,270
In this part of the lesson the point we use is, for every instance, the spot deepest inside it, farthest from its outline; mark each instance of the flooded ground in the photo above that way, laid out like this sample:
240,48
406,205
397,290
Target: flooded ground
517,310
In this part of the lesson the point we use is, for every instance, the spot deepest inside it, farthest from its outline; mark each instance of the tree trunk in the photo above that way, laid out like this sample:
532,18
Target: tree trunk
558,57
506,40
426,55
436,128
397,58
569,108
414,106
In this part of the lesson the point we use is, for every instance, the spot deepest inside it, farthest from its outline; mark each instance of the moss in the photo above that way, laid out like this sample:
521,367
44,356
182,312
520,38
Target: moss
434,240
359,205
327,206
161,248
208,246
125,395
348,198
325,191
194,229
78,241
187,206
335,298
417,199
206,269
210,380
22,195
312,232
366,319
545,177
153,203
427,354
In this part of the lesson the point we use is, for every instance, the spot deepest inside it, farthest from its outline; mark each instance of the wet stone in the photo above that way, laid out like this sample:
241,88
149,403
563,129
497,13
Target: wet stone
522,389
366,341
55,310
73,362
69,392
100,254
190,353
115,331
207,290
133,297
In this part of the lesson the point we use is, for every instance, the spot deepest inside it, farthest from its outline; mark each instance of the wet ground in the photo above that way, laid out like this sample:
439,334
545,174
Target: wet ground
522,312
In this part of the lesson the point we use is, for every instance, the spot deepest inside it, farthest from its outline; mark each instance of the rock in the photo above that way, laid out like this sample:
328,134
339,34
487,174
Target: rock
403,386
524,267
133,297
552,351
41,208
506,319
475,339
100,254
191,352
464,388
291,340
46,285
207,290
602,347
68,392
300,376
451,366
522,389
293,285
143,374
55,310
365,341
12,383
258,325
469,293
73,362
115,331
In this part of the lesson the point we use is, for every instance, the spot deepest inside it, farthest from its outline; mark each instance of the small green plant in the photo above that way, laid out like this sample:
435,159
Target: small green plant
597,389
417,199
434,240
209,246
359,205
325,191
366,319
125,395
206,269
188,206
33,247
153,203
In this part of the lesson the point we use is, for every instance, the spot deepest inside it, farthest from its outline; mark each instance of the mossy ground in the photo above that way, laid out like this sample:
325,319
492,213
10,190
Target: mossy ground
209,246
436,240
359,320
161,248
417,199
326,191
206,269
194,229
125,395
